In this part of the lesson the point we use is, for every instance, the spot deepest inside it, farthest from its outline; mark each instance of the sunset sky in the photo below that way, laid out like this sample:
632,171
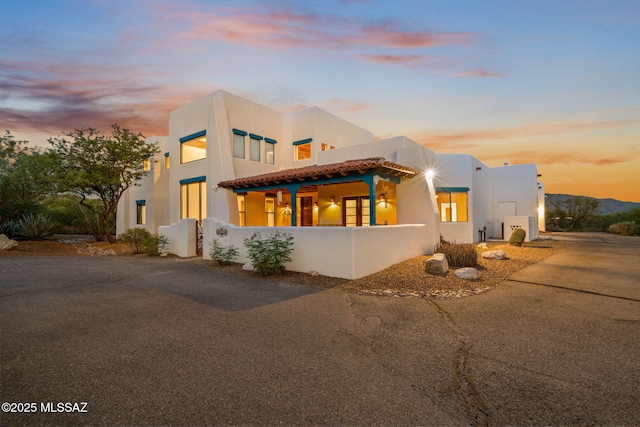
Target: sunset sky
555,83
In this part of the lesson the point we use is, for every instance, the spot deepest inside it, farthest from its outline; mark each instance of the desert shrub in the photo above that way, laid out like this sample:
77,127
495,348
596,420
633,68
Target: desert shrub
9,228
135,238
155,244
35,226
269,255
517,237
222,255
624,228
459,254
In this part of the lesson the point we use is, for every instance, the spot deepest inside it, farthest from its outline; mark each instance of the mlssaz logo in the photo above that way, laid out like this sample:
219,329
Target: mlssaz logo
63,406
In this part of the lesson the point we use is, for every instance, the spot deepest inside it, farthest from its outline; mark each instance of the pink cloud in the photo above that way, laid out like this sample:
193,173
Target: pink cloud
479,72
388,35
49,104
281,30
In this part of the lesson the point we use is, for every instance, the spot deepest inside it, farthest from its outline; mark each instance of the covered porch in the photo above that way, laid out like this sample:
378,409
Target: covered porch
352,193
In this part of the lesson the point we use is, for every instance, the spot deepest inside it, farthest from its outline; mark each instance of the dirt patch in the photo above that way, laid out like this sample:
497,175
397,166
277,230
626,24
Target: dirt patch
75,246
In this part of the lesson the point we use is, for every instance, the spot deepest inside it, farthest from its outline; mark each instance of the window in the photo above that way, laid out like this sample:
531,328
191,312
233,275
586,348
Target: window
242,209
167,161
270,210
146,164
303,149
356,211
141,212
193,198
270,151
452,203
193,147
238,143
254,147
325,147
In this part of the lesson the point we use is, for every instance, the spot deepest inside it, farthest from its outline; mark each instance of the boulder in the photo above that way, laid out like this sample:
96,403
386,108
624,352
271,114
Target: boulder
247,266
6,244
437,265
483,246
497,254
467,273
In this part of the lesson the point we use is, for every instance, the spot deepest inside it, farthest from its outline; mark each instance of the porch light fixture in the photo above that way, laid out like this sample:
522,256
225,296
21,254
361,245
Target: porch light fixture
333,201
383,199
429,174
286,210
315,205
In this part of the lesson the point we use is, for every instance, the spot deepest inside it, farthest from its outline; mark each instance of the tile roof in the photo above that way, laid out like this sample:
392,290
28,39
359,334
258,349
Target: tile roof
348,167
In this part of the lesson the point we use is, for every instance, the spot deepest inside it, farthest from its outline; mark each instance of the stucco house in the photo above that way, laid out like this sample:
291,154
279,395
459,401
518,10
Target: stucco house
231,167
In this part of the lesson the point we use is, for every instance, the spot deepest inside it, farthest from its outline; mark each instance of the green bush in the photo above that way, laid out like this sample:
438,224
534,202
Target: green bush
624,228
517,237
136,237
155,244
269,255
222,255
35,226
458,255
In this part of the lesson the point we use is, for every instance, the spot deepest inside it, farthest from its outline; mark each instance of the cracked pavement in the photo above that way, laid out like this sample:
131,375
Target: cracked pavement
166,342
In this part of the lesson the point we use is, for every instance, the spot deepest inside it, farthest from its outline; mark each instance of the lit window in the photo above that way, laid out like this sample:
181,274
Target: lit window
193,147
270,210
193,198
238,143
141,212
324,147
167,161
146,164
270,151
242,209
452,203
303,149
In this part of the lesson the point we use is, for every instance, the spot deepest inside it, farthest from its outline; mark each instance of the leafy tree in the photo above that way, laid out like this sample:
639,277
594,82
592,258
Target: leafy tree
25,177
96,166
574,211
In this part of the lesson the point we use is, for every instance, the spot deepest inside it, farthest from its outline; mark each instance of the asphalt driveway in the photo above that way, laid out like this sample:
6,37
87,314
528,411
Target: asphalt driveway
166,342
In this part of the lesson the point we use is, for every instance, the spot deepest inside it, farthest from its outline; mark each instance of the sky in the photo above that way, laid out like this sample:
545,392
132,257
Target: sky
550,82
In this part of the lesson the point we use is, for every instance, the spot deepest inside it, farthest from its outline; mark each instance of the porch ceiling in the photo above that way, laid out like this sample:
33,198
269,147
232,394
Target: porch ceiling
323,172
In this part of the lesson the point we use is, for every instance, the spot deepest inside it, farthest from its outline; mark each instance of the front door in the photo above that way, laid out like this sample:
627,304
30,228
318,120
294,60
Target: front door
306,211
355,212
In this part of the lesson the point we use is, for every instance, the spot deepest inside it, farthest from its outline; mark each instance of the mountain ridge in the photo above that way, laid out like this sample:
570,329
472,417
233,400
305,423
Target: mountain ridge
607,206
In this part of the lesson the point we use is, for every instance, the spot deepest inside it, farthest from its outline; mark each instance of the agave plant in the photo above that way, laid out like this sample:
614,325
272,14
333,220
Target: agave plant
35,226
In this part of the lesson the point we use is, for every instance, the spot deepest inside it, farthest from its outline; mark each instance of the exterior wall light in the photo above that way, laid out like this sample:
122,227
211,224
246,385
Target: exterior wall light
286,210
429,174
333,201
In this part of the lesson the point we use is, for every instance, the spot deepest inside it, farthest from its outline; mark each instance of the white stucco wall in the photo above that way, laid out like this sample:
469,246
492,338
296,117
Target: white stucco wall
347,252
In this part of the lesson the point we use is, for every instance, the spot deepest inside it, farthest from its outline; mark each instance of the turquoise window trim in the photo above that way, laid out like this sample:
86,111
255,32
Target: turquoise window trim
239,132
193,136
254,136
270,141
303,141
141,202
452,189
192,180
166,154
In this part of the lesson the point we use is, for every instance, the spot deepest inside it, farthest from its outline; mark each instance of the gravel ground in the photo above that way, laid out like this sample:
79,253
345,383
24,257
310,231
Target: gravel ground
404,278
409,276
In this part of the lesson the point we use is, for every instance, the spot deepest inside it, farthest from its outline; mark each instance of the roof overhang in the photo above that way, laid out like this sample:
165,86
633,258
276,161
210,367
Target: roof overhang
340,172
